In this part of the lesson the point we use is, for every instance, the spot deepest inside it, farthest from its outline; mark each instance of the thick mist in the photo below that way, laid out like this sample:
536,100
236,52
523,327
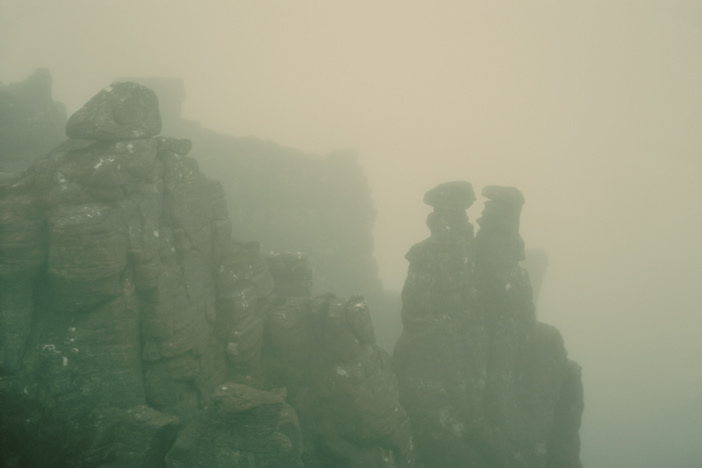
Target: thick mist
592,109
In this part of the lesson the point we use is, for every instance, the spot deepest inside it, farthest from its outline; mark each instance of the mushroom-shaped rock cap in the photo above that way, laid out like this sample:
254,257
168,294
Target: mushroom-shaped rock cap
122,111
507,195
456,195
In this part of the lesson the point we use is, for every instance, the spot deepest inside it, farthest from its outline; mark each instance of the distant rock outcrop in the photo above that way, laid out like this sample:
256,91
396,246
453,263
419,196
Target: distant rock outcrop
484,383
31,122
134,331
289,200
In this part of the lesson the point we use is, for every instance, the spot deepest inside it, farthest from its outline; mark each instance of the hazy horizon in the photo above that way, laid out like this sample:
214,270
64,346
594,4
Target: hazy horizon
591,109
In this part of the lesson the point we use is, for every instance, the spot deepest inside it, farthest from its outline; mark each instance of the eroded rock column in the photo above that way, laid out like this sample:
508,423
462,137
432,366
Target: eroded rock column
441,357
123,293
485,384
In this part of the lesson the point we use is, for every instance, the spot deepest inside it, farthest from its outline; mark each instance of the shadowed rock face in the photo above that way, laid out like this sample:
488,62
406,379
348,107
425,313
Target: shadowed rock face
135,332
484,383
122,111
536,263
323,351
121,290
242,426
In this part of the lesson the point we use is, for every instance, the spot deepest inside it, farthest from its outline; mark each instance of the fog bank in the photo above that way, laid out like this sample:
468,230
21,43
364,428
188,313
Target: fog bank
591,109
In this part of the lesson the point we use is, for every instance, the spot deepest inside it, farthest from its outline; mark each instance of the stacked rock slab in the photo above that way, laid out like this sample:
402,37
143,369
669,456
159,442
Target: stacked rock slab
125,302
323,351
484,383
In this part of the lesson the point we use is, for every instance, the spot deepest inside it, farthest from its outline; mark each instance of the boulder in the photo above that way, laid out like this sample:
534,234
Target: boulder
121,111
339,381
243,427
456,195
137,438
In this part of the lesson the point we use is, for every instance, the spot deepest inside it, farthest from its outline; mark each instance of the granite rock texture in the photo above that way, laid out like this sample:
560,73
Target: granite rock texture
121,288
484,383
134,331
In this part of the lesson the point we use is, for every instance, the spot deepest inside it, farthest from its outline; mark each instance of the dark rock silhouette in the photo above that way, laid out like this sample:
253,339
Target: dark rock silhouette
136,332
484,383
123,111
323,350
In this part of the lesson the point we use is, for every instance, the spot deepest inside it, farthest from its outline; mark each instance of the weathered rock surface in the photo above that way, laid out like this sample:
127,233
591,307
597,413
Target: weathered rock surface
293,201
135,332
117,265
290,201
323,350
31,122
242,427
121,111
484,383
139,437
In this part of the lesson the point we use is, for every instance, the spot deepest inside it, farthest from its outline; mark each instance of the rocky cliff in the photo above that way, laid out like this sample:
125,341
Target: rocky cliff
134,331
288,200
484,383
